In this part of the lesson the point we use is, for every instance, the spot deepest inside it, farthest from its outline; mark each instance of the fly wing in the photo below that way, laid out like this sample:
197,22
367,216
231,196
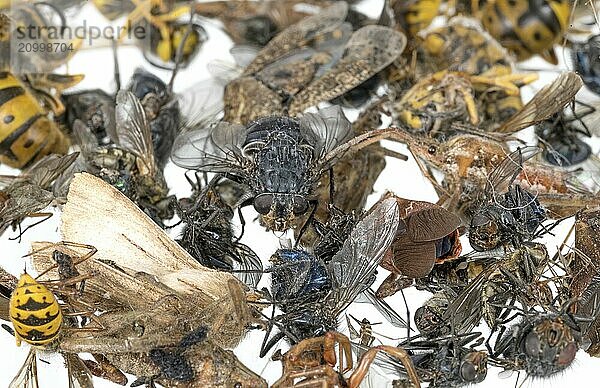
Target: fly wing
27,376
44,172
465,311
328,127
505,173
216,148
352,269
201,103
133,129
384,309
246,259
299,35
550,99
368,51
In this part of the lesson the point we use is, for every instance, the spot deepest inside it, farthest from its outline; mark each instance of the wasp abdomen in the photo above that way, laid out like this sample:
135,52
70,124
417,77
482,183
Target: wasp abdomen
34,312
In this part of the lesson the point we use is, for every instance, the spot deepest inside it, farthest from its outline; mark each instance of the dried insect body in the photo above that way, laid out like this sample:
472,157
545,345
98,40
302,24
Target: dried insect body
512,26
95,108
462,46
428,235
467,160
36,188
506,216
209,237
586,63
583,278
171,281
429,317
410,16
365,332
28,130
584,265
312,294
561,137
541,344
167,31
256,23
311,362
40,320
130,164
516,276
162,111
444,98
446,361
166,24
561,192
280,159
303,65
49,20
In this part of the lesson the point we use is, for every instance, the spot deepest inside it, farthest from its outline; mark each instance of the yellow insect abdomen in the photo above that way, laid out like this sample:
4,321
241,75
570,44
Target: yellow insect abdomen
34,312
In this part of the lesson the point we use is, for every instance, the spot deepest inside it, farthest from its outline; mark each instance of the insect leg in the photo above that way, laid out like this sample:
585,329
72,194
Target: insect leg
367,359
308,221
21,232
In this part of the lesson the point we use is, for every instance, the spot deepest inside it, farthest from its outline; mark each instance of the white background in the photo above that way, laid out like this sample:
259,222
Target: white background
403,178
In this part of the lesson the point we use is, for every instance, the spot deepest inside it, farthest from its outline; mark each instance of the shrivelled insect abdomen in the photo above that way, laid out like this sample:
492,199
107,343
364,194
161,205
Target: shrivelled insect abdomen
34,312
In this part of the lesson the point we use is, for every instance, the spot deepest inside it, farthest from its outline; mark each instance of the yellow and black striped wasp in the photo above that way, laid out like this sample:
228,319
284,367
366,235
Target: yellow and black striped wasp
28,105
39,318
166,26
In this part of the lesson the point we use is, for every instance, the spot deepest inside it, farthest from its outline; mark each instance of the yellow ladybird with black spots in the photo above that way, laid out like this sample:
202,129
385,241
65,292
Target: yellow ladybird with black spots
34,312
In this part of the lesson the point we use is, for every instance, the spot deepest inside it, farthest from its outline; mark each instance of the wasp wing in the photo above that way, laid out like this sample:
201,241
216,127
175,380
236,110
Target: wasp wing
299,35
550,99
326,129
352,269
27,376
368,51
212,149
133,129
78,373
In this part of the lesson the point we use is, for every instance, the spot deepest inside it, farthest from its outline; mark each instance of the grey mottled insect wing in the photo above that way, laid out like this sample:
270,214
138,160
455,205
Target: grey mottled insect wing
368,51
298,35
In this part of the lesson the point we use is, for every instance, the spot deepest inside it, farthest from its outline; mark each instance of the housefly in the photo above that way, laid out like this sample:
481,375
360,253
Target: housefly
541,344
280,159
129,162
509,217
445,361
209,236
312,294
